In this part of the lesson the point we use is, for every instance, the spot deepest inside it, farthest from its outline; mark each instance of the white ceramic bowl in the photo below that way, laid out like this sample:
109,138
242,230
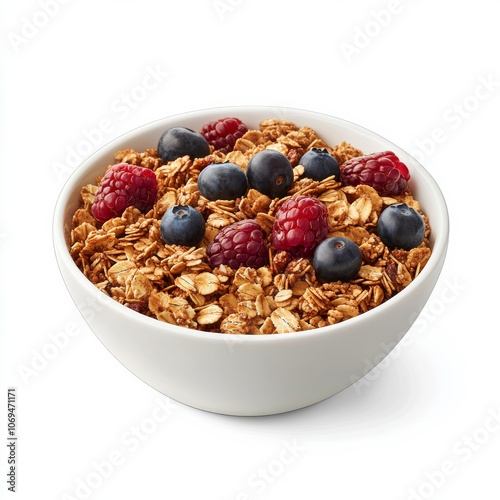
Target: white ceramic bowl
250,375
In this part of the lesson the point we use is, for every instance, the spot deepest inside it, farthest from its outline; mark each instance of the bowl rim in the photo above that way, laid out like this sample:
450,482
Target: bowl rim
63,257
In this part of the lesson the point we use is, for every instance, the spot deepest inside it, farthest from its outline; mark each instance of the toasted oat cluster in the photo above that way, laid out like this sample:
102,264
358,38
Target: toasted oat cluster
127,259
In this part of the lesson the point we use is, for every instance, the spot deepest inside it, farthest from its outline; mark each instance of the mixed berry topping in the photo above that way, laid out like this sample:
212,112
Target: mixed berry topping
241,244
122,186
300,227
223,133
382,171
301,223
310,249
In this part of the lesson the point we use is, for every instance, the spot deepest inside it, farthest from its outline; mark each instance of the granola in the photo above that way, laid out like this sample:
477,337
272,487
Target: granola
127,259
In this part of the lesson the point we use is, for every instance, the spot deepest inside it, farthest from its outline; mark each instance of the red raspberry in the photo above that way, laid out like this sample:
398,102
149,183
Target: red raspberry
122,186
382,171
241,244
301,224
222,134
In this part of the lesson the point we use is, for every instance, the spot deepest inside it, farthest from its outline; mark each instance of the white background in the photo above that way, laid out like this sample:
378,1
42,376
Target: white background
423,74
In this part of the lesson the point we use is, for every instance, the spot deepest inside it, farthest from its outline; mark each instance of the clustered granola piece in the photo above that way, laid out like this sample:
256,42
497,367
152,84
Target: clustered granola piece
127,259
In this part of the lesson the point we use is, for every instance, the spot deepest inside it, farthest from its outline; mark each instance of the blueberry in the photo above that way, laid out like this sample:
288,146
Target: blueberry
222,181
181,141
400,226
337,259
319,164
182,225
270,172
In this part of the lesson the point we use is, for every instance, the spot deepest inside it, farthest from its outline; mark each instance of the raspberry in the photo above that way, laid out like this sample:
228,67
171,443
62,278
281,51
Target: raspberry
122,186
382,171
222,134
241,244
301,223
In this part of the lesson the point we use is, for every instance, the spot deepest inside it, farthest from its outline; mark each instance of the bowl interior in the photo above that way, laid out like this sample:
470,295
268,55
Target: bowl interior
331,129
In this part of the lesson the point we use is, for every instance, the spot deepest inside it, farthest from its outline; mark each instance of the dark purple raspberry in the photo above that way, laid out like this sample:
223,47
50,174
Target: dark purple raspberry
122,186
301,223
241,244
382,171
223,133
